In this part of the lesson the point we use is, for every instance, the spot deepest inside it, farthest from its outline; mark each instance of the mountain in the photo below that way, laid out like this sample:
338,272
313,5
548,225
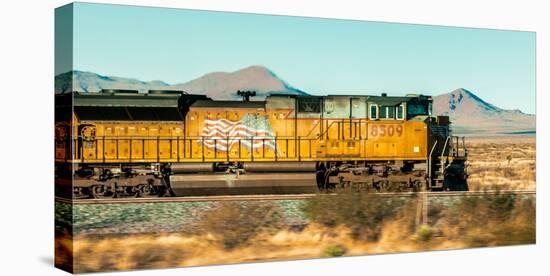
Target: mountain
222,85
82,81
217,85
469,113
472,115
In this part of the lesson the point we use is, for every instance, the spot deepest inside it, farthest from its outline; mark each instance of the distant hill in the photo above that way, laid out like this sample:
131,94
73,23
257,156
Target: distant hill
82,81
469,113
472,115
222,85
217,85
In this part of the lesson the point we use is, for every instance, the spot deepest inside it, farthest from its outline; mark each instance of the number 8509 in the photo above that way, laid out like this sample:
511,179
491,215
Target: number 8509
386,130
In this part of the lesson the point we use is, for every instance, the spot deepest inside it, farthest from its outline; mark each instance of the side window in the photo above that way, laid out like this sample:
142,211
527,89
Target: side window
373,113
387,112
391,112
329,105
400,112
309,104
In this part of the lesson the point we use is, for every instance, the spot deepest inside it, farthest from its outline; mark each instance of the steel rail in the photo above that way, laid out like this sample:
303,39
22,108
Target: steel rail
275,197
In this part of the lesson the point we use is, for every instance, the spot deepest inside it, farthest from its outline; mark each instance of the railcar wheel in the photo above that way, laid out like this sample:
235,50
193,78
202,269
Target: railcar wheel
394,187
153,190
382,185
79,192
143,190
98,191
416,186
135,191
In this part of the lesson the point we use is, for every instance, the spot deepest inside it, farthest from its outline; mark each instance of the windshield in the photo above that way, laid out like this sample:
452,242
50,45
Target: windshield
414,109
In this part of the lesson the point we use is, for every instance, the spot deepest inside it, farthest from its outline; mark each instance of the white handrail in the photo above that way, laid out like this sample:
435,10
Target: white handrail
429,169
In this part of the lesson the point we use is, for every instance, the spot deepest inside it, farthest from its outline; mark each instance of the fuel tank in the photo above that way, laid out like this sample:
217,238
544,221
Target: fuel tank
255,178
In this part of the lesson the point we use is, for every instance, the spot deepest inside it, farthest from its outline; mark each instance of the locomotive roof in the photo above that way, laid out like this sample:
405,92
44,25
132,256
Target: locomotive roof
107,106
381,100
233,104
125,99
173,106
389,100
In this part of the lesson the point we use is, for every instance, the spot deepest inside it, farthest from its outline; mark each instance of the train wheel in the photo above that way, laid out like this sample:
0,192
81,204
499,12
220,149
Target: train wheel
79,192
416,185
143,190
98,191
394,187
382,185
136,190
152,189
165,192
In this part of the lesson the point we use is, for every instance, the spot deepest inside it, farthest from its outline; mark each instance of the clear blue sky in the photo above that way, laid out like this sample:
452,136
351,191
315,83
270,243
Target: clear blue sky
320,56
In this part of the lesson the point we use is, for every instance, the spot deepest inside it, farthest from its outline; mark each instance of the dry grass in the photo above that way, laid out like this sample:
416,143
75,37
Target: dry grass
359,211
490,220
173,250
505,163
235,224
472,222
63,250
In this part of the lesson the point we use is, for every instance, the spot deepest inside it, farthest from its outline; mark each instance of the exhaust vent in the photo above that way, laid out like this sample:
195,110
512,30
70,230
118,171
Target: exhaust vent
167,92
119,91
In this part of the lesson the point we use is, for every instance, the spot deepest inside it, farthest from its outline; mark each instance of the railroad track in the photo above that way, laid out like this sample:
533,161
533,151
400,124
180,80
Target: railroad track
274,197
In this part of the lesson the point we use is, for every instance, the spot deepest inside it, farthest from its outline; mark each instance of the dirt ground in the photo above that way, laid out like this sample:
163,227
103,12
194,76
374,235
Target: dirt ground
127,252
175,250
502,162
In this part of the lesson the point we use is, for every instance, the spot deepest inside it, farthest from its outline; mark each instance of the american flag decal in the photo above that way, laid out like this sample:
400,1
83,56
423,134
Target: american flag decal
253,131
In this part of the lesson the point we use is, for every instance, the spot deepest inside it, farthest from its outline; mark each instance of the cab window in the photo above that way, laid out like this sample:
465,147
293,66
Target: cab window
400,112
387,112
414,109
373,113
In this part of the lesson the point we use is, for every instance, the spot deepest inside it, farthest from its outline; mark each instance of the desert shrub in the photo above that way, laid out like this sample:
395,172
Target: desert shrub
489,206
334,250
491,219
362,212
64,250
509,158
435,211
157,256
495,206
236,223
424,233
521,227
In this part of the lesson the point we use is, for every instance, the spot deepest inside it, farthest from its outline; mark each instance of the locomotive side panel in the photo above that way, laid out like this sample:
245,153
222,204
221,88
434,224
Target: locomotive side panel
399,140
113,142
222,134
285,126
234,133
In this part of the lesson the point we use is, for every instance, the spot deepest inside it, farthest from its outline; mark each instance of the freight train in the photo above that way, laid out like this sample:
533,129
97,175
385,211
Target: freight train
119,143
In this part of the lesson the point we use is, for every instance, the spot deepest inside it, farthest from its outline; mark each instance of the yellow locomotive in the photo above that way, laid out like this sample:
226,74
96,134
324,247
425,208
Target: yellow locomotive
124,143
